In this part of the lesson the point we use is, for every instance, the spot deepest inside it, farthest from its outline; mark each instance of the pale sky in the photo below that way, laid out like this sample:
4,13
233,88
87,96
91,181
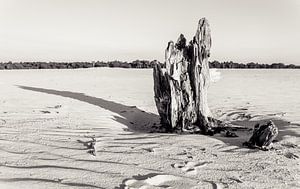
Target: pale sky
264,31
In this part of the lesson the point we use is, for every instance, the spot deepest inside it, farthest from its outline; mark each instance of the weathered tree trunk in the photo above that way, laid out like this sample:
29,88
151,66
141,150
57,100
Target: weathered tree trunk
181,89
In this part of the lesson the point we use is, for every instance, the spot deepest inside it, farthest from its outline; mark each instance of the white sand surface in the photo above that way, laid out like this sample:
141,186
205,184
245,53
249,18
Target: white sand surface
49,117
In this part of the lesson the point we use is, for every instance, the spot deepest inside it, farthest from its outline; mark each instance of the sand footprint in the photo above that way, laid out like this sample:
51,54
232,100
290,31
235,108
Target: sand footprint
152,181
2,122
157,181
190,167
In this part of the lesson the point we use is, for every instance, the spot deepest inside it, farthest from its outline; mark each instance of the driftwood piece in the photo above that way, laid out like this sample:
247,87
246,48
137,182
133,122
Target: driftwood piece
263,135
181,88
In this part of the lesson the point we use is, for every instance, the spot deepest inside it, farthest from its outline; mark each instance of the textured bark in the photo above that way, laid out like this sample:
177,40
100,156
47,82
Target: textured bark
181,88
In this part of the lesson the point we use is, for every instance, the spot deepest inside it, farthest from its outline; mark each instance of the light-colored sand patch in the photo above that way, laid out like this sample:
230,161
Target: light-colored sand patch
42,150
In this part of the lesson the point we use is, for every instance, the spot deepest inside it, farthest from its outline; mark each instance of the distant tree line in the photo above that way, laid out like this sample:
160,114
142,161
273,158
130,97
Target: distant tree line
251,65
135,64
74,65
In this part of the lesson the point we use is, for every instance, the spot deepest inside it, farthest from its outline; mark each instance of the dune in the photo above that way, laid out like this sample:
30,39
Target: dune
98,128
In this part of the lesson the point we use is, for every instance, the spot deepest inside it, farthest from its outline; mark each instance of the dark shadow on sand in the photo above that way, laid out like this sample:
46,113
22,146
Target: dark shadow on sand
138,120
131,116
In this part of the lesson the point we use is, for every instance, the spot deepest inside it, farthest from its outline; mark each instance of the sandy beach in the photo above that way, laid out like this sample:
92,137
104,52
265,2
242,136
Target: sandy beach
50,118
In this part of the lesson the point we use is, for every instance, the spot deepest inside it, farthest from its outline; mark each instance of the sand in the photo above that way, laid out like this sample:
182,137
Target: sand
50,118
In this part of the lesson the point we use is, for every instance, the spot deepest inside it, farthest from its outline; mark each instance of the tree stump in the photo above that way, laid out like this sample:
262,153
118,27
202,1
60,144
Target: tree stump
181,88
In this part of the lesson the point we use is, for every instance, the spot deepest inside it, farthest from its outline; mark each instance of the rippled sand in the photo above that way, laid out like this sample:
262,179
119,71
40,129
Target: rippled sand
89,128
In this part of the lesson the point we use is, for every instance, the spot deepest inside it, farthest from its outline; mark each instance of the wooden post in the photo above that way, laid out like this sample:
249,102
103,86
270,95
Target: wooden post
181,88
